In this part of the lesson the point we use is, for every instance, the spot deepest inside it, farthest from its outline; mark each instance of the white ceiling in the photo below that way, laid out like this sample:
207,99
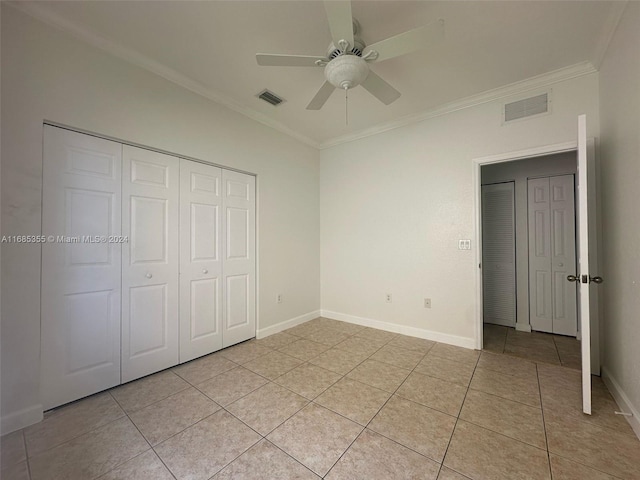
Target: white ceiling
210,47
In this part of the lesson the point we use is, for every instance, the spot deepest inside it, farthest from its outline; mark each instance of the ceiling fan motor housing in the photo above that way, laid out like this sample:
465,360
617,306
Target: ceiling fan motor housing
346,71
356,49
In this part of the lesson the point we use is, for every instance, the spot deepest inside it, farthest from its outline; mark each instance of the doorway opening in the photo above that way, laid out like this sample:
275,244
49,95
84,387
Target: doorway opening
526,213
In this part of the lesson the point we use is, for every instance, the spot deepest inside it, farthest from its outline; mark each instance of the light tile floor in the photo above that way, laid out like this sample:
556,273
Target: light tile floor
534,346
333,400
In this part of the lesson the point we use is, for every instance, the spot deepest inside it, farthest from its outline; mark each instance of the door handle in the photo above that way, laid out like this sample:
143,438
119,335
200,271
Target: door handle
205,271
597,280
148,275
573,278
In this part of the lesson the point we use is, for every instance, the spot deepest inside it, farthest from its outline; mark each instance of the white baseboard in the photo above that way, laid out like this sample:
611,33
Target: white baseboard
523,327
292,322
20,419
404,330
622,400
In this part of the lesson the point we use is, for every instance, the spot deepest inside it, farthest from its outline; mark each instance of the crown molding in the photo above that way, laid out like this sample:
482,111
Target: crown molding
609,30
131,56
517,88
136,58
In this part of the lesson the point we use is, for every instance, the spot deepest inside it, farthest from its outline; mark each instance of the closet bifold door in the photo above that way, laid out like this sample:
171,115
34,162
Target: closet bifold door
150,191
80,320
239,257
201,234
499,254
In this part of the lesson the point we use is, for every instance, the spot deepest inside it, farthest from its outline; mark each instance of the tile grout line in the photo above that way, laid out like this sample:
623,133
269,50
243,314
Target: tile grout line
237,456
342,377
26,453
538,376
145,439
349,336
124,414
573,459
508,400
270,442
376,414
544,424
455,425
264,437
590,467
557,351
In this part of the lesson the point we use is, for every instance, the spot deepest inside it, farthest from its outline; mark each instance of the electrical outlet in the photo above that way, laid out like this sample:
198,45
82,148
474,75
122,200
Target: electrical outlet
388,298
427,303
279,298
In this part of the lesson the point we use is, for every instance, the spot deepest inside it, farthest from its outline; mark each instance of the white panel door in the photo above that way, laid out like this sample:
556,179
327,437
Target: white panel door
563,254
552,254
540,274
201,234
150,263
80,266
498,254
239,254
588,262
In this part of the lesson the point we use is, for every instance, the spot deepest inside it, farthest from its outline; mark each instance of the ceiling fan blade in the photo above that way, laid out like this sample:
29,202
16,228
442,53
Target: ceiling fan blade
407,42
340,20
380,89
321,97
274,60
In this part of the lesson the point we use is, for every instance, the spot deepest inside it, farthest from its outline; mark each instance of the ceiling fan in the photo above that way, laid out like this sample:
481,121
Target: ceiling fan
346,64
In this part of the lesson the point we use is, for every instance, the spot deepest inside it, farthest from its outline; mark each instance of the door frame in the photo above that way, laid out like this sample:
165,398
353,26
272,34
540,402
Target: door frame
477,163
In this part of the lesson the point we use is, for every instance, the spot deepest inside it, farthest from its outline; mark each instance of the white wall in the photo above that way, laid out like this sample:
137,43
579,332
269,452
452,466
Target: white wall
49,75
519,172
394,205
620,178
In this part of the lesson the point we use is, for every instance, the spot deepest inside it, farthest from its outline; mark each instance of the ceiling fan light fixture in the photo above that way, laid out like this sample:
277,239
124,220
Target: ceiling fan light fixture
346,71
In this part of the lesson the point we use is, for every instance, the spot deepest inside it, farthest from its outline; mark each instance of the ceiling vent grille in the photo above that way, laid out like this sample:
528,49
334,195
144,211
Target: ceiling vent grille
270,97
526,107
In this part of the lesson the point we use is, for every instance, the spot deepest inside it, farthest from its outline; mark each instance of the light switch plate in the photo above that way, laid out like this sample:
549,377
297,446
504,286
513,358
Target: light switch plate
464,244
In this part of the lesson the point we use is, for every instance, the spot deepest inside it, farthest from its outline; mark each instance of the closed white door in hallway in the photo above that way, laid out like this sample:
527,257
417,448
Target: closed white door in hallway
552,254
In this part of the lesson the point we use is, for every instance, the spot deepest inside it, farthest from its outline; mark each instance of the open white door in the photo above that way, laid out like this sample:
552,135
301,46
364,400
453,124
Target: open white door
587,258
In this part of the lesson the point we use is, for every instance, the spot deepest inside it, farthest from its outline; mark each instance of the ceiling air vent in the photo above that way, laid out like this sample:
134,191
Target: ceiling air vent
526,107
270,97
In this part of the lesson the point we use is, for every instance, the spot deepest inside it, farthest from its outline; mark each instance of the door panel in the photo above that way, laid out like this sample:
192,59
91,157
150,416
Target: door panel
148,325
540,274
201,232
80,317
149,218
563,254
238,233
93,352
205,300
150,264
237,301
239,305
498,254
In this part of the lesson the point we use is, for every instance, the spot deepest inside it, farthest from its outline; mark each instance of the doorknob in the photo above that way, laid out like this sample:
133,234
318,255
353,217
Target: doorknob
595,280
205,271
148,275
572,278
